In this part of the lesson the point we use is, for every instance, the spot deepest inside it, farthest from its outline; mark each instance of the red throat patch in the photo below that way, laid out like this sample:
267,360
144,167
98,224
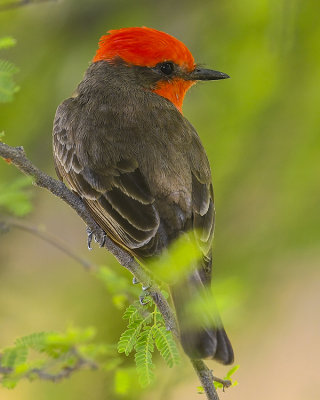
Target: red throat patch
174,91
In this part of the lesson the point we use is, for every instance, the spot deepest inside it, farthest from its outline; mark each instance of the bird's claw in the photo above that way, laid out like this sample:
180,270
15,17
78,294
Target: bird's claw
100,240
142,299
90,236
144,288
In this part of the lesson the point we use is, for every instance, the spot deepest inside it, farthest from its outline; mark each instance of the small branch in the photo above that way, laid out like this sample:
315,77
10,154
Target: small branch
21,3
64,373
206,378
16,156
6,223
225,383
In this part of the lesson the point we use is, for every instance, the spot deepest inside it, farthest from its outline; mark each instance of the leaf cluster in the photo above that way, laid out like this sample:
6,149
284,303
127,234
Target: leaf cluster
146,331
15,197
8,86
51,356
118,285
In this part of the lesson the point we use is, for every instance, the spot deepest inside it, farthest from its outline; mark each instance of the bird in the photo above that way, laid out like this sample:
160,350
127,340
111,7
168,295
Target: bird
122,143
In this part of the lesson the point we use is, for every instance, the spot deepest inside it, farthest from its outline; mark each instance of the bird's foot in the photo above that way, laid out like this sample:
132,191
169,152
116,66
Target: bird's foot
101,240
145,294
144,288
142,299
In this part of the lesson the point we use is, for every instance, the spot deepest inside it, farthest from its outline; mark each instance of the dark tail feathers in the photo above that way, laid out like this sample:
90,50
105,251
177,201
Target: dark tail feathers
207,340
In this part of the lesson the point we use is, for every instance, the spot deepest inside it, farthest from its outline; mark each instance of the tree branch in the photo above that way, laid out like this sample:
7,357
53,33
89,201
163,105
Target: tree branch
65,372
206,378
16,156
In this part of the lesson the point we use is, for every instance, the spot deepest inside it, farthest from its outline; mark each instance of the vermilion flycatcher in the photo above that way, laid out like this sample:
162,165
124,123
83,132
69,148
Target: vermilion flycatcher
122,143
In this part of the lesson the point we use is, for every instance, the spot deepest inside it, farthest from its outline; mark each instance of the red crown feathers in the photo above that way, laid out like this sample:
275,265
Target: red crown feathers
143,46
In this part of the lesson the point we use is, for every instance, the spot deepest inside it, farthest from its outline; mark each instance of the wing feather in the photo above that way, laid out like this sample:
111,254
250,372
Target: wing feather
121,201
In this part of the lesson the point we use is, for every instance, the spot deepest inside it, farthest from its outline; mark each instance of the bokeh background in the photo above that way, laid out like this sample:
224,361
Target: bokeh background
261,130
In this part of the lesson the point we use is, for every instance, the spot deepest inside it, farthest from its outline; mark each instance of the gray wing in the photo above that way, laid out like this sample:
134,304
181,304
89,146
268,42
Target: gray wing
117,196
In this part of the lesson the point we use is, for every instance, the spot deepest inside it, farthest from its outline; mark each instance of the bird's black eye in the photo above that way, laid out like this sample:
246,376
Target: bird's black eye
167,68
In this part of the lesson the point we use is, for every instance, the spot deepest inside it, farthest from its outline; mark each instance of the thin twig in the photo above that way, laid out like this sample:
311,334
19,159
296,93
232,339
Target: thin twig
16,156
21,3
224,382
64,373
6,223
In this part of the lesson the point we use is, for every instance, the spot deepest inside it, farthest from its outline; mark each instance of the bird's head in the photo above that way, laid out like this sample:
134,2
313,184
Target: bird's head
163,64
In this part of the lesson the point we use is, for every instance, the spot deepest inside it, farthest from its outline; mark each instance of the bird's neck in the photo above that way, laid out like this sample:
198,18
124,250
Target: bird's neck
174,91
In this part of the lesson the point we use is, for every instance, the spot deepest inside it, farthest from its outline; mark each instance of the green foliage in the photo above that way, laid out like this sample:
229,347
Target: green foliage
126,381
178,260
14,356
53,356
117,285
144,348
57,355
35,341
7,70
14,196
146,329
166,345
129,337
6,42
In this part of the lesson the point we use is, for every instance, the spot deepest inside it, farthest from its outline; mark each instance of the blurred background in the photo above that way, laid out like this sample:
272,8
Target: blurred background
261,130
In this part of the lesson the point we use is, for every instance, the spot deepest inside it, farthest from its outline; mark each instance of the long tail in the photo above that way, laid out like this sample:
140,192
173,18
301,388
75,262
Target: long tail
206,339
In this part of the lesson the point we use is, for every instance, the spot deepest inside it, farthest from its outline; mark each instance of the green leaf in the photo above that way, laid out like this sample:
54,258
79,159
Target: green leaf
122,381
231,372
119,300
116,284
14,356
6,42
71,337
166,345
15,198
200,389
178,261
95,350
36,341
126,382
9,383
112,365
7,85
143,357
7,67
133,313
129,337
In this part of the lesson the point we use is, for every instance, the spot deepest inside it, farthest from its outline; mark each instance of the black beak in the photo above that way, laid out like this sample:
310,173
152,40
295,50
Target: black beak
202,74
